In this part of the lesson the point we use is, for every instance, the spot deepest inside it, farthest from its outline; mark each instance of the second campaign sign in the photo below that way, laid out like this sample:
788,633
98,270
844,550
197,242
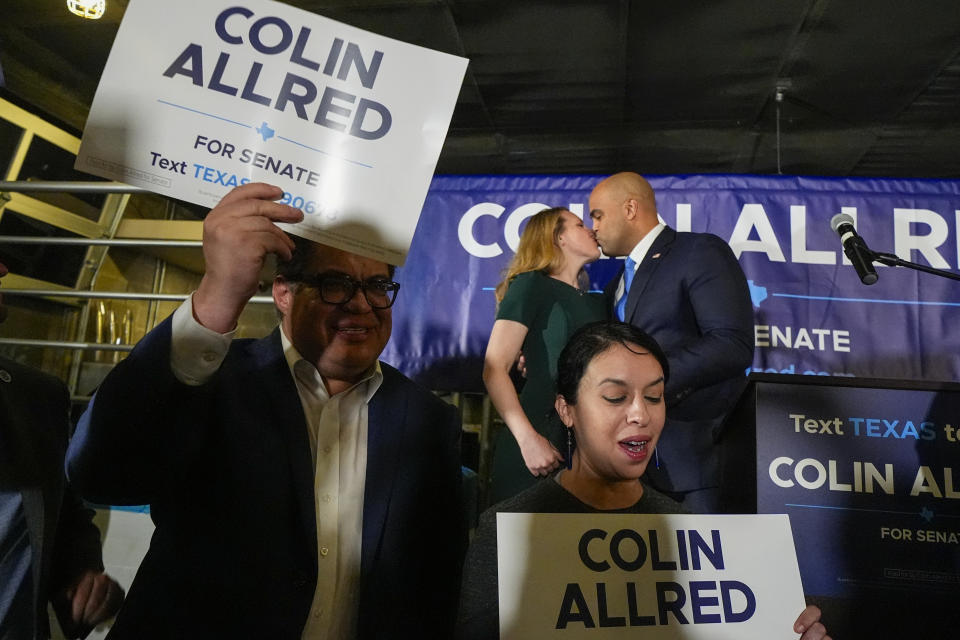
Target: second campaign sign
200,97
615,575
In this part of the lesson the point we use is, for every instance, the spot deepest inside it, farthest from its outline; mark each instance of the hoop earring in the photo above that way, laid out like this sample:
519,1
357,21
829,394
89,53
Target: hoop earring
569,447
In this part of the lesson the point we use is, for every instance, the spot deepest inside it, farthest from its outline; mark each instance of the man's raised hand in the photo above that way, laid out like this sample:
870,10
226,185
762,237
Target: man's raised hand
238,234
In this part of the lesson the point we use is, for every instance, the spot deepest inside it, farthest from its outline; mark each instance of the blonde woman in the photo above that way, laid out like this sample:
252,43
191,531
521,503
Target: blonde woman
542,300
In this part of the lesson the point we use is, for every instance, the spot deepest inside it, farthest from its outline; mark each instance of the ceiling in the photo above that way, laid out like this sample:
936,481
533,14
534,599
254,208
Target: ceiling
869,88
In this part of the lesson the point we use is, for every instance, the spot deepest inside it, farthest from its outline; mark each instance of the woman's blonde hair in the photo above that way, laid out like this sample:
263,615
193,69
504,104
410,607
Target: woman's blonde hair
539,248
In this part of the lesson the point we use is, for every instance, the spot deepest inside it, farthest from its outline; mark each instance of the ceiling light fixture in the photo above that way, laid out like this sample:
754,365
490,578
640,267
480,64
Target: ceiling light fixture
92,9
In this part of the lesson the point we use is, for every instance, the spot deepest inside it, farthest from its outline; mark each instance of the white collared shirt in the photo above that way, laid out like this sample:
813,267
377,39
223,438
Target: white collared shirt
337,430
639,252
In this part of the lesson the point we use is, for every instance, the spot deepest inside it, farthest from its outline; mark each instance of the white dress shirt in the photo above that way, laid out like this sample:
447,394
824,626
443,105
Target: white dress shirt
639,253
337,430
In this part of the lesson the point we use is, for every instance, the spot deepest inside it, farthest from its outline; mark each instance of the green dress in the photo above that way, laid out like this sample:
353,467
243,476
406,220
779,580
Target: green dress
551,310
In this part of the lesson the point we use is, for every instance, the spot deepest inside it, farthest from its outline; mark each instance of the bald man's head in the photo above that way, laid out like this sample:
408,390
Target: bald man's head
623,210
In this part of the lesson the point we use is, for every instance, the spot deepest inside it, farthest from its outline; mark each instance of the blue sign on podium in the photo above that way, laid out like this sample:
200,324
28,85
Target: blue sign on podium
869,473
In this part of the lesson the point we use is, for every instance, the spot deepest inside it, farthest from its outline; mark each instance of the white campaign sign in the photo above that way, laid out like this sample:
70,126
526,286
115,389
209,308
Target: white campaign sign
676,576
199,97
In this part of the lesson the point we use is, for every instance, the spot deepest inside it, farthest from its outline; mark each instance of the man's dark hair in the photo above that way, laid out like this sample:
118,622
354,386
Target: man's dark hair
591,340
296,266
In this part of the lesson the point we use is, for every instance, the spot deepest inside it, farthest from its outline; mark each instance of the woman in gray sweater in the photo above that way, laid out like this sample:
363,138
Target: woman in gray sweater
610,379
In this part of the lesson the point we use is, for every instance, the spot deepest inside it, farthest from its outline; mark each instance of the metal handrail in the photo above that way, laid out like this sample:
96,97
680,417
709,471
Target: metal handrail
51,186
101,242
113,295
62,344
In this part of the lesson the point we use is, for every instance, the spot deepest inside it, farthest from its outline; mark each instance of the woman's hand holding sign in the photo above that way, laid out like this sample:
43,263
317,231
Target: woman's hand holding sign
810,626
238,234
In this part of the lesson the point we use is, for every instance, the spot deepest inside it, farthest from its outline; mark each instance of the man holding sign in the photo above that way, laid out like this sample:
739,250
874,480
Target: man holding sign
300,488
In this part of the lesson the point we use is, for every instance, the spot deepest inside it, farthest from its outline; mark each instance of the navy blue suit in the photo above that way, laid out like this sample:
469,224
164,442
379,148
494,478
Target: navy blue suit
227,470
34,425
690,294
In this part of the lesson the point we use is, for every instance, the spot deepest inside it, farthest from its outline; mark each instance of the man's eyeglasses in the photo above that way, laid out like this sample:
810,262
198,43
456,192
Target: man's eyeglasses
338,289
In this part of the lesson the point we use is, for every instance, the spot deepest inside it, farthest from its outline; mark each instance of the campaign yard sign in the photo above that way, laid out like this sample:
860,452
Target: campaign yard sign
664,576
200,97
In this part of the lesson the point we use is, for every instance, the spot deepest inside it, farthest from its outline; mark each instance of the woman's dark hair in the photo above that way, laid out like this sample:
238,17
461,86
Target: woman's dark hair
591,340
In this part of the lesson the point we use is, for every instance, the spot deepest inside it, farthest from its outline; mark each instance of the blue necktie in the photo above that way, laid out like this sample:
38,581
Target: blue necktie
629,270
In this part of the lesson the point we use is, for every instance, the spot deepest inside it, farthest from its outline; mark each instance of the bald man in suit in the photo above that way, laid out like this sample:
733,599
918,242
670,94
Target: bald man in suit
688,291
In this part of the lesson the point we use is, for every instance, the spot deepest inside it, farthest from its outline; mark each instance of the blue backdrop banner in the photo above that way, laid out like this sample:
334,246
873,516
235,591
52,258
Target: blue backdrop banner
812,314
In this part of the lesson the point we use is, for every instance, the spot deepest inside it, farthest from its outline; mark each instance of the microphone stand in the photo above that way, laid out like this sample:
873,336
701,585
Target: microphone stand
892,260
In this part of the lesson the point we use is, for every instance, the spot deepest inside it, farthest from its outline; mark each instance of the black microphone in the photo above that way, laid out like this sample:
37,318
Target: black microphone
854,247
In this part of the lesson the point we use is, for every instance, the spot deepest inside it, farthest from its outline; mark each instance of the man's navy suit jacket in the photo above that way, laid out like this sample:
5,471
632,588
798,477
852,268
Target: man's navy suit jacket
227,470
690,294
34,426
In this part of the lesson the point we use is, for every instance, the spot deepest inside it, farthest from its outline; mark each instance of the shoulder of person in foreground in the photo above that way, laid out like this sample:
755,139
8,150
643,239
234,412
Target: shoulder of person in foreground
431,430
478,614
657,502
141,424
398,382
